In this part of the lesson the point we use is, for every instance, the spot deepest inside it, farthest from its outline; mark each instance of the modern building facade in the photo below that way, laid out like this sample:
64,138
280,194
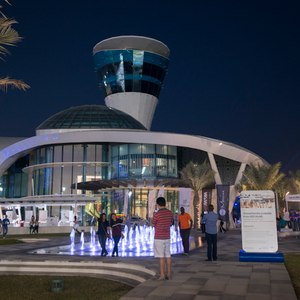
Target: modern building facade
94,158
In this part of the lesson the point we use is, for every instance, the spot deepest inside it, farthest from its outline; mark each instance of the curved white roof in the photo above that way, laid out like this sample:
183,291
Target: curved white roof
133,42
11,153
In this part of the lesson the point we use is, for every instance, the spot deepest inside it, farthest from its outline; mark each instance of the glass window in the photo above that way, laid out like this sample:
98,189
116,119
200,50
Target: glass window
135,148
49,154
123,166
172,167
135,165
57,153
123,149
115,168
172,150
66,180
42,154
148,148
162,149
115,150
148,165
33,157
78,153
48,181
67,156
161,166
17,184
91,152
57,173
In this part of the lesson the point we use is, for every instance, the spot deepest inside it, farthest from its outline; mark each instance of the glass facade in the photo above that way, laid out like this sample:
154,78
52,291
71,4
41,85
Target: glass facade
143,161
91,116
53,169
14,182
130,71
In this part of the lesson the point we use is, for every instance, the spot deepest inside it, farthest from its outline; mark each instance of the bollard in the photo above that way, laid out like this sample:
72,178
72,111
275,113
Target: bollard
57,285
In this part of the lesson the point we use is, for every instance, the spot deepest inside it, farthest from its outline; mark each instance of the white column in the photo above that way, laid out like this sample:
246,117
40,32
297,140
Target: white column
240,173
215,168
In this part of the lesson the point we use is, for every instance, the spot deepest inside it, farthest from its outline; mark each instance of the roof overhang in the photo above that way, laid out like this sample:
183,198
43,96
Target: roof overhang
11,153
113,184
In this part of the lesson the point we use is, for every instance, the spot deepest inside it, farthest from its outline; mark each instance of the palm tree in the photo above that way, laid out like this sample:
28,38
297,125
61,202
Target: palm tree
294,182
265,177
197,176
9,37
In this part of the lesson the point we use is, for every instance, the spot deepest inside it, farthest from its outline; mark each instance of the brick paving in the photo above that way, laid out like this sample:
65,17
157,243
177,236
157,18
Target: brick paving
193,277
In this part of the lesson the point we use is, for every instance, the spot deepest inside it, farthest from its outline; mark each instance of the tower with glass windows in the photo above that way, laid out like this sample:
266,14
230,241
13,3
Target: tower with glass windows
131,70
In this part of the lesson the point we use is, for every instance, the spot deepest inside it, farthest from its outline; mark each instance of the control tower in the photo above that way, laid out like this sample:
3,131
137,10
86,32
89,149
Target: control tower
131,70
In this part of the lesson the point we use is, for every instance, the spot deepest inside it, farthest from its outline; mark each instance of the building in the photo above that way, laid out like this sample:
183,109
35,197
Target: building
91,158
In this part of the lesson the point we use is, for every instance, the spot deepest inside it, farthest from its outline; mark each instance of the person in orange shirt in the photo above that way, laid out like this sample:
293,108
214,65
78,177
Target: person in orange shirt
185,224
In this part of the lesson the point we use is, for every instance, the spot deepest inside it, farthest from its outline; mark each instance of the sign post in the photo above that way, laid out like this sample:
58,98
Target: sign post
259,230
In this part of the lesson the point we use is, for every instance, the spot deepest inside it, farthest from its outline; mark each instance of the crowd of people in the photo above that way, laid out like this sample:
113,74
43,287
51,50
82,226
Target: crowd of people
162,221
289,219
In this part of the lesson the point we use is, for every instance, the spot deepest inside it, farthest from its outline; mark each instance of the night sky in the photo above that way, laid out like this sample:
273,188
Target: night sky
234,71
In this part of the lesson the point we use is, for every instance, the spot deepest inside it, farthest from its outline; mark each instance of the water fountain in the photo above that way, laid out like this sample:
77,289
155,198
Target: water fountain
82,240
72,237
136,242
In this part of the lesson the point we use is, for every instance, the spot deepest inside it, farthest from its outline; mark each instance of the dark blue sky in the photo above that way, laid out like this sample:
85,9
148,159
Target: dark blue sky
234,70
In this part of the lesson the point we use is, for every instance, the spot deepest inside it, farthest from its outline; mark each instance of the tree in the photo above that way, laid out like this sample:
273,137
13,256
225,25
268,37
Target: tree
261,177
197,177
265,177
294,182
9,37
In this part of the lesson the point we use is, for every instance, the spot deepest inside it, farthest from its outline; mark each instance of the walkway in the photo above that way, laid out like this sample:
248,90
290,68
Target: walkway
193,277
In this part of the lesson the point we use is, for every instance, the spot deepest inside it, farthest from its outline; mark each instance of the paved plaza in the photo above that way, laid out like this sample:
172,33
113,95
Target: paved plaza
193,277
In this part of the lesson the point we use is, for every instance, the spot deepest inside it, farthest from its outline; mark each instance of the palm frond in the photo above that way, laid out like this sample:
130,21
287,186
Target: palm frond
197,176
8,35
7,82
262,177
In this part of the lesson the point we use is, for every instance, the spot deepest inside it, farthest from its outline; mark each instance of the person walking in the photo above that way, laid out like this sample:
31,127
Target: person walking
31,224
202,223
116,229
5,223
211,230
286,218
221,226
162,222
185,224
103,233
36,226
76,225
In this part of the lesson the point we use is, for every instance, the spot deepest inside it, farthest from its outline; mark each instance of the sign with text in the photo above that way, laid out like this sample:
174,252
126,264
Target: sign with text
258,215
223,201
206,198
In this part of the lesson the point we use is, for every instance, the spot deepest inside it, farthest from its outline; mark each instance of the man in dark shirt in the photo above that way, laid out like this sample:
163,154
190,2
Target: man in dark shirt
5,223
211,230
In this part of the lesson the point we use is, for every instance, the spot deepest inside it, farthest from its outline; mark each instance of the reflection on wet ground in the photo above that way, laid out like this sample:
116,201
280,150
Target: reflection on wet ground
136,243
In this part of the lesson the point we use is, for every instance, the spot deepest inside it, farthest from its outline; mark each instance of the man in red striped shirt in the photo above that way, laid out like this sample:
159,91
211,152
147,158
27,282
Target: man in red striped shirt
162,221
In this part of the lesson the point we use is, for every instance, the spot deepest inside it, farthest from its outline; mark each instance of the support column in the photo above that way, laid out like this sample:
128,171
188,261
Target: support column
215,168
